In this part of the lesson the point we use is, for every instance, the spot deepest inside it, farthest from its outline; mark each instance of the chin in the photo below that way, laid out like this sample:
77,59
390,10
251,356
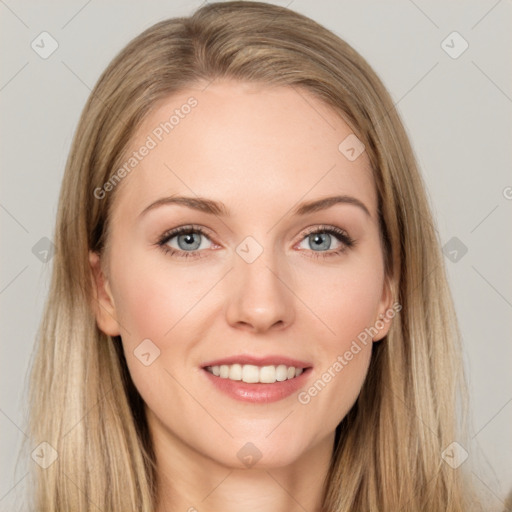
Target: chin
261,453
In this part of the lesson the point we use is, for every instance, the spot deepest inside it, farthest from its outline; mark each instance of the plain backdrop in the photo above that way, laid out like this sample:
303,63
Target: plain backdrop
455,104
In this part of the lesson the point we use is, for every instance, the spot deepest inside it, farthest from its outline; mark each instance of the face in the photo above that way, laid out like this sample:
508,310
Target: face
257,278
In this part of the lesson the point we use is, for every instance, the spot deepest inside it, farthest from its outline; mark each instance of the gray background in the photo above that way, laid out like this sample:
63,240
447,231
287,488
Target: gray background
457,112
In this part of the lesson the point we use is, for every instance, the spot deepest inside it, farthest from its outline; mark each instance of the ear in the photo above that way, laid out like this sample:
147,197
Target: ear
386,311
103,302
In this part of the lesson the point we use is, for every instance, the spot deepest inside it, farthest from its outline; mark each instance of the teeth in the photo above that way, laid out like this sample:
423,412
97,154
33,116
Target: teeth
235,372
255,374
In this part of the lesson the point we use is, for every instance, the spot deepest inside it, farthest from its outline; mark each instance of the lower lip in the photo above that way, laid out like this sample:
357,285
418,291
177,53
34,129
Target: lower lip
258,392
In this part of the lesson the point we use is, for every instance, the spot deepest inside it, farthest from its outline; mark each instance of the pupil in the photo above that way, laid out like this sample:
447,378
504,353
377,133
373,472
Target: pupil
321,241
187,240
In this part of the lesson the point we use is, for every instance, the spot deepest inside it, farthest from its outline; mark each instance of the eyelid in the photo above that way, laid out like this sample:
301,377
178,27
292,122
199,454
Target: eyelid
315,228
186,228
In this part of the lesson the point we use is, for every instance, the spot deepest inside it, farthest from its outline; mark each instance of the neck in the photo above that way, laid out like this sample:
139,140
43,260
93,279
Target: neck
189,481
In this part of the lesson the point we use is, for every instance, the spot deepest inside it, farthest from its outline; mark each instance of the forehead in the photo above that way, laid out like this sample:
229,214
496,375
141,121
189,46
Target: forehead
245,144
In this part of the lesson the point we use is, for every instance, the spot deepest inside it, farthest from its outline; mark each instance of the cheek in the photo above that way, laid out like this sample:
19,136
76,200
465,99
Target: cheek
152,304
151,298
343,353
345,299
162,303
143,307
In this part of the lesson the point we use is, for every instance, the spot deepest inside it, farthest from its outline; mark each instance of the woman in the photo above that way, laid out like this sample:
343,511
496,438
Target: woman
248,307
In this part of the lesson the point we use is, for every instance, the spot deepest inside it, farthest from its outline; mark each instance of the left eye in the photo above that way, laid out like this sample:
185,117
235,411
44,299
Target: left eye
320,240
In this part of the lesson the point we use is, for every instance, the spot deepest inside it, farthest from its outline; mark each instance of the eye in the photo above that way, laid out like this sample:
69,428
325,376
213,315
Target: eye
189,240
320,240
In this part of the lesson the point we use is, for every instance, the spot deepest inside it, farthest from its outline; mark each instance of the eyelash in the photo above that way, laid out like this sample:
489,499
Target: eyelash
339,234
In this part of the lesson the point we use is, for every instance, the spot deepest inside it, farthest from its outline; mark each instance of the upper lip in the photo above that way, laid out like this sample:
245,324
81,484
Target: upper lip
272,360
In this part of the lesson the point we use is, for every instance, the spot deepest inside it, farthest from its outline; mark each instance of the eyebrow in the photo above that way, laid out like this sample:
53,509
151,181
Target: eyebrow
218,208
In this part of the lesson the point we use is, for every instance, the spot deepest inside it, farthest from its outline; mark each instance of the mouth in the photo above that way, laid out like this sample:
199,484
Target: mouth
248,369
258,380
254,374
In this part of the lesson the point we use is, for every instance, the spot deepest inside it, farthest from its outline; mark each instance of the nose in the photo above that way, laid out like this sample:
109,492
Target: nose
259,294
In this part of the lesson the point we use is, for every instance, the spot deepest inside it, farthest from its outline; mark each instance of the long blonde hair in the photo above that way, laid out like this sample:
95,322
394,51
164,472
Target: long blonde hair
83,403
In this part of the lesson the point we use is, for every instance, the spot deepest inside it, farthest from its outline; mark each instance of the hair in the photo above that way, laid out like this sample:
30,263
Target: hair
387,453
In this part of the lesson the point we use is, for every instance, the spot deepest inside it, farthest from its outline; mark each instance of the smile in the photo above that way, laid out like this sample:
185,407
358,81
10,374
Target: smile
253,374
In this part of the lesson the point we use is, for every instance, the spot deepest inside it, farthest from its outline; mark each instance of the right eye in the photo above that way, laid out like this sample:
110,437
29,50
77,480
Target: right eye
183,242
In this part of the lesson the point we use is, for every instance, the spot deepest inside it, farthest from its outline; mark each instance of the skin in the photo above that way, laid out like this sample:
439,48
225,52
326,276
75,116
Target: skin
261,151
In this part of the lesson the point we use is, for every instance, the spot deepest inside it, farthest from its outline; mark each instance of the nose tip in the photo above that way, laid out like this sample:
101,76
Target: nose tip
258,298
